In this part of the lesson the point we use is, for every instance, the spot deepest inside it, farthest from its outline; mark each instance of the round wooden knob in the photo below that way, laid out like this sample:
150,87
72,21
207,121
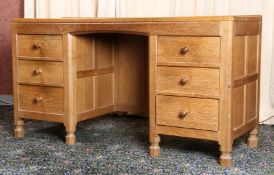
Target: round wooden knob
184,50
183,114
184,81
36,45
37,99
37,71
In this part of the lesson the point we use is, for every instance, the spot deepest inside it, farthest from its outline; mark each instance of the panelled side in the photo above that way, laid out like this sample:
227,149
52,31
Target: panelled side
95,78
245,75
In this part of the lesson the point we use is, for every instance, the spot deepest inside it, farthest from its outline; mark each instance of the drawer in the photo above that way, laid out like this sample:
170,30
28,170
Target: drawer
192,51
41,99
40,72
187,112
188,81
39,46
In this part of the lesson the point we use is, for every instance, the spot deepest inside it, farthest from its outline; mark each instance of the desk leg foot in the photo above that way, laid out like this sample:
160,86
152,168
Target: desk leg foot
70,138
19,128
154,148
225,159
253,140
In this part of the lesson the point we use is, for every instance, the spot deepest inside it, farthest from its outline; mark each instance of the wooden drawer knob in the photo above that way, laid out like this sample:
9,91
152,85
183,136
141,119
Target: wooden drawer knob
37,71
184,50
183,114
36,45
184,81
37,100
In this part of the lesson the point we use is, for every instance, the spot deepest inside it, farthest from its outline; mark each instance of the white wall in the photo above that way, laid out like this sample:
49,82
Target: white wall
160,8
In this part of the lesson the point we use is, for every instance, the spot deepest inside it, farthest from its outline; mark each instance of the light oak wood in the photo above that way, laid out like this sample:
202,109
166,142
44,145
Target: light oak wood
154,138
195,77
40,84
70,138
39,58
154,148
49,46
244,129
131,74
52,99
245,60
95,79
104,91
200,113
70,90
200,81
40,72
42,116
186,64
253,140
83,51
203,51
251,102
181,93
245,91
160,28
247,79
103,51
238,105
94,113
19,130
247,28
187,132
85,94
252,54
93,72
18,122
225,129
225,159
104,83
242,18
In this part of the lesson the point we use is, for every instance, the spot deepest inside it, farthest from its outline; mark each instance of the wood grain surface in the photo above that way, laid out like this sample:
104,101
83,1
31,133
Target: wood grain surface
203,51
201,81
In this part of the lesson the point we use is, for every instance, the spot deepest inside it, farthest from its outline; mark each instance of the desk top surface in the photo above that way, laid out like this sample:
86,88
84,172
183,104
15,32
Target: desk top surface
134,20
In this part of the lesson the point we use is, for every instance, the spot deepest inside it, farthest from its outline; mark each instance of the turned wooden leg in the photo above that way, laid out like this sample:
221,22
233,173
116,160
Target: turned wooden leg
225,159
70,132
253,140
19,128
70,138
154,146
70,125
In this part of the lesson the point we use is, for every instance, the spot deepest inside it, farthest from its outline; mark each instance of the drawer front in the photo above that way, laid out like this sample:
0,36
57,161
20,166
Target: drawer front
39,46
188,81
192,51
187,112
40,72
41,99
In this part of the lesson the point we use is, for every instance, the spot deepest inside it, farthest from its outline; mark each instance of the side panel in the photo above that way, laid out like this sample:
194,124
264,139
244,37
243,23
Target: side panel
245,75
95,78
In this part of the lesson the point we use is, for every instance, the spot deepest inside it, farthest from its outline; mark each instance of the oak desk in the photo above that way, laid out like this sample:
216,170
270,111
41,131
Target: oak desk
194,77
